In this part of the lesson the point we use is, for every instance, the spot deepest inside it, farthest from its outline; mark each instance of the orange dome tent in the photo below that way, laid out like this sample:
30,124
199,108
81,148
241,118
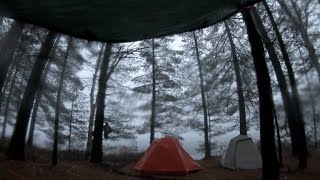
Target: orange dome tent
166,156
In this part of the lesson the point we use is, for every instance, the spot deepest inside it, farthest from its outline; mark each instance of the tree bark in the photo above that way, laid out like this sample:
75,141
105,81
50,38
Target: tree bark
5,87
70,127
6,111
17,143
39,97
153,102
92,102
7,47
36,107
313,110
58,104
204,106
268,150
278,138
242,110
299,25
295,93
20,89
288,106
96,156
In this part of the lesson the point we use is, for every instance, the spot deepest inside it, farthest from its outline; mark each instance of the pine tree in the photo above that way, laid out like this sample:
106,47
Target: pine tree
243,121
96,152
268,151
17,142
203,98
7,47
92,102
57,108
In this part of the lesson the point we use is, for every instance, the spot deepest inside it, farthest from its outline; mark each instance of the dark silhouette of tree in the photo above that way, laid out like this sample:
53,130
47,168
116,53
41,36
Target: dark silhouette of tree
39,96
58,102
17,142
7,47
204,104
300,26
153,101
242,110
268,150
96,153
92,102
295,98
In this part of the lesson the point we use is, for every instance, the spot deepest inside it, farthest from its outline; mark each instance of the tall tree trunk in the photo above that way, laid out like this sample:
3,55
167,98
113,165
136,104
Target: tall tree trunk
6,111
20,89
313,105
313,114
288,106
96,152
70,127
204,106
268,150
5,86
7,47
36,106
58,104
299,25
92,102
39,97
243,122
17,143
278,137
153,103
297,111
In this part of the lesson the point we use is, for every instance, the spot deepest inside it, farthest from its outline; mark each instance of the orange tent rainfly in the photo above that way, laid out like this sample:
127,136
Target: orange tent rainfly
166,156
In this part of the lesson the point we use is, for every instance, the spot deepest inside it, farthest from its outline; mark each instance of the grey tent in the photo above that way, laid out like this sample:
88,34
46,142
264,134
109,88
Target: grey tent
242,153
121,20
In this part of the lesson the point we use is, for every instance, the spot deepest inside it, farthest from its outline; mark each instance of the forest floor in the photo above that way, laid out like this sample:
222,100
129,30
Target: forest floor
82,170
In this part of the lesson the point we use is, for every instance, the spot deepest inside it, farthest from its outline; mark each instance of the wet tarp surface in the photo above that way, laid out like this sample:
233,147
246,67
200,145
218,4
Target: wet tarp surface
121,20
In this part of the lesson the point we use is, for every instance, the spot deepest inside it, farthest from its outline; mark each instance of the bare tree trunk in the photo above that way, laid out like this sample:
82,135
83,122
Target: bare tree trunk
17,143
153,103
204,106
39,97
58,104
301,137
299,25
5,87
20,89
96,153
278,138
313,105
243,122
288,106
7,47
6,111
92,103
70,127
36,106
268,150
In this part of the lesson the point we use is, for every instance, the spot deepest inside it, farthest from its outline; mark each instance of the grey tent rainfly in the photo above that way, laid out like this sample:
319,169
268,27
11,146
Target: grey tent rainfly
109,21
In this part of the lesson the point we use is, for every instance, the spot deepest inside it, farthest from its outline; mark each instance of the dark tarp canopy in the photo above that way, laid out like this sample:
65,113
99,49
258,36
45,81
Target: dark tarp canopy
121,20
